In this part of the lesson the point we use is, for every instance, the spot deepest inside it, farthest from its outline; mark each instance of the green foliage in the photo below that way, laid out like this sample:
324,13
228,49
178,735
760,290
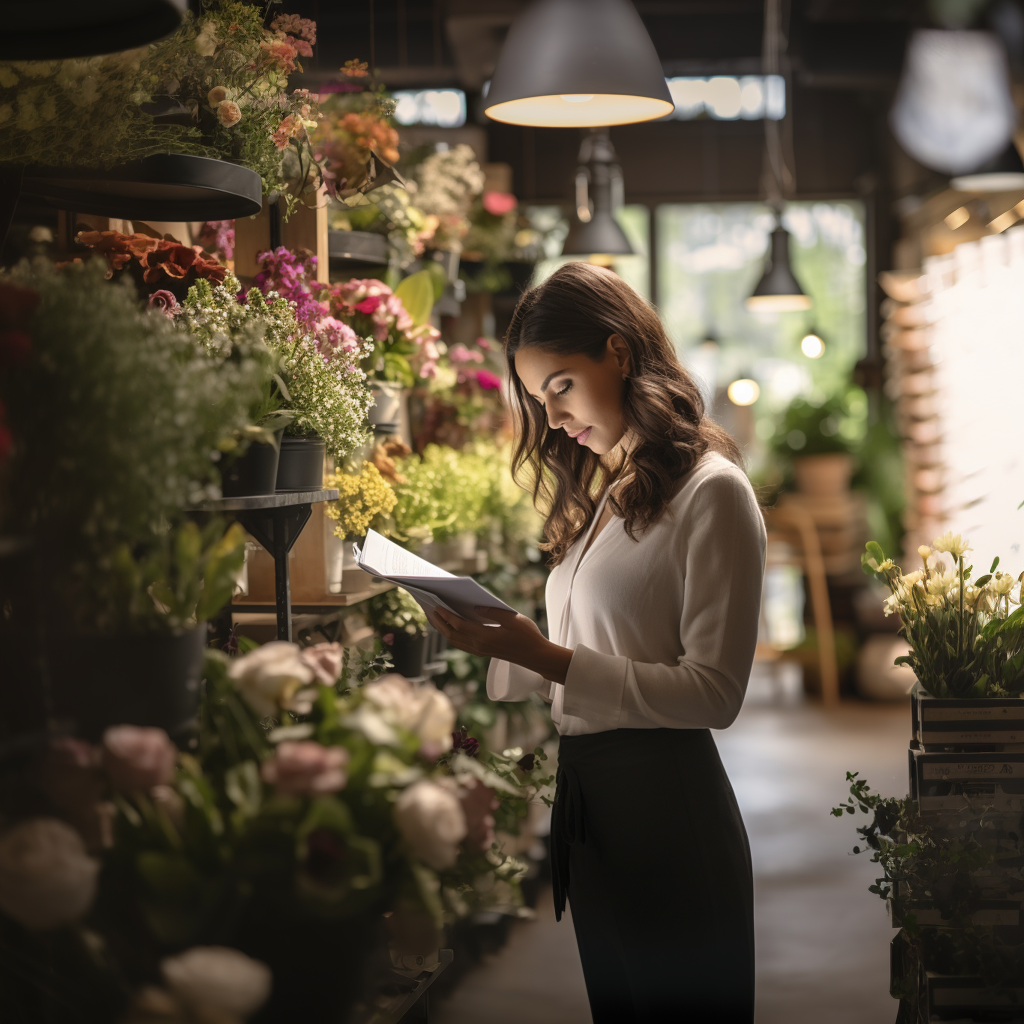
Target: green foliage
119,422
396,611
417,294
836,424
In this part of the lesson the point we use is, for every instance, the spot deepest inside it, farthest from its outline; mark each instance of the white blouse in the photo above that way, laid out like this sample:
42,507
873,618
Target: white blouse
662,629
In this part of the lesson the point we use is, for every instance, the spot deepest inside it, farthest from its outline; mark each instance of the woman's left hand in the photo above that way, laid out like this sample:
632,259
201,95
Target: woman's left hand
514,638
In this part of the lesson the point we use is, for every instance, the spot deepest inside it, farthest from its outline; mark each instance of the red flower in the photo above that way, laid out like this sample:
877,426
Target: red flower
368,305
15,347
499,203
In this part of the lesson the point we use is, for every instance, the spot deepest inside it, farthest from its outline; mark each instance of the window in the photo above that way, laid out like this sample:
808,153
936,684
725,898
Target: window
445,108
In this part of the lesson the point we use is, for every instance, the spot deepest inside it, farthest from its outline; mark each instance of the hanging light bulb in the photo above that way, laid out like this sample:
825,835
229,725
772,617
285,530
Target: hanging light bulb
744,391
599,235
578,64
778,291
1003,173
812,346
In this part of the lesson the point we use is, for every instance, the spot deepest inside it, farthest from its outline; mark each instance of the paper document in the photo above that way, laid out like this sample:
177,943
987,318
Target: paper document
432,587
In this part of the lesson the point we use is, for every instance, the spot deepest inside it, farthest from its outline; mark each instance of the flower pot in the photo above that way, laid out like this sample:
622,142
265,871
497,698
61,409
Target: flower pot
146,679
409,653
341,570
354,247
301,466
254,472
823,475
387,405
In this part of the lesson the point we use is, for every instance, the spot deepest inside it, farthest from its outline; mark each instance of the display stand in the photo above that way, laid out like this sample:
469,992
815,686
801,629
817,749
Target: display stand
275,520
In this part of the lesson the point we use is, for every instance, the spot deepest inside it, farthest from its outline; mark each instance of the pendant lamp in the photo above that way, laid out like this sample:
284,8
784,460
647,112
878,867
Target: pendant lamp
578,64
601,234
1004,173
778,290
61,29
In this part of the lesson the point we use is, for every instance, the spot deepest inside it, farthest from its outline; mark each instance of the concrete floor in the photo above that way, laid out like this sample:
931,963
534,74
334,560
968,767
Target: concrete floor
822,938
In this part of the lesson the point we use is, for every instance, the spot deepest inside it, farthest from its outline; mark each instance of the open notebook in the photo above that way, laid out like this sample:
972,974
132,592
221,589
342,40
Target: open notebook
432,587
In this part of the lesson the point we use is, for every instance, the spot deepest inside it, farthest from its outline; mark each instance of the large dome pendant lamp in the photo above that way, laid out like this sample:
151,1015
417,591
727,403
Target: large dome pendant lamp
578,64
62,29
1003,173
778,291
594,232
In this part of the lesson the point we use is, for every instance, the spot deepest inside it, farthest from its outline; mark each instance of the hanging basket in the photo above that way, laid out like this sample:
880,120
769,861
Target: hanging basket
165,187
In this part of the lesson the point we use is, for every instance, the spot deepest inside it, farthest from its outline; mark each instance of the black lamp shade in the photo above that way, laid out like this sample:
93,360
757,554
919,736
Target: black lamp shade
60,29
578,64
600,236
1003,173
778,290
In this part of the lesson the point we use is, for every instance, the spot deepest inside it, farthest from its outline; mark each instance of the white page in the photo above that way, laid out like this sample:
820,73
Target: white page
383,557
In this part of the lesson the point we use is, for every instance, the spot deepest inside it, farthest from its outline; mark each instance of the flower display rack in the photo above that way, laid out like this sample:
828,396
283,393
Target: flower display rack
165,187
966,767
275,520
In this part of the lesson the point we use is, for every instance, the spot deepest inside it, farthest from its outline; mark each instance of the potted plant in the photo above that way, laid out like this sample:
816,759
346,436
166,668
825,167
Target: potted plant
117,419
364,500
319,381
820,438
402,624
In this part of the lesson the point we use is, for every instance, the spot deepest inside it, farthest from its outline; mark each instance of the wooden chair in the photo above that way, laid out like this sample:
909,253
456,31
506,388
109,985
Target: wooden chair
795,527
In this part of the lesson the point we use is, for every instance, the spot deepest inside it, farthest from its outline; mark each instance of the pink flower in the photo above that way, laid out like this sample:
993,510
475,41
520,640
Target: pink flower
334,338
290,127
138,758
499,203
305,28
325,661
216,95
228,113
488,381
485,344
369,304
306,768
460,354
164,301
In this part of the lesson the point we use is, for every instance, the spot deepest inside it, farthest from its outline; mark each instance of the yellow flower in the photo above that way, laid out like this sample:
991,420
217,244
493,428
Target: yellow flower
361,499
952,543
924,551
1001,583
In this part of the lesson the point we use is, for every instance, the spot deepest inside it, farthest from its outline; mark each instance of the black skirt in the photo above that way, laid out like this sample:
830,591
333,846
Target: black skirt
648,845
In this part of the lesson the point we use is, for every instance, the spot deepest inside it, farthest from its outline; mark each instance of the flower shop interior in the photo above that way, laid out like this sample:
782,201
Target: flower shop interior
258,263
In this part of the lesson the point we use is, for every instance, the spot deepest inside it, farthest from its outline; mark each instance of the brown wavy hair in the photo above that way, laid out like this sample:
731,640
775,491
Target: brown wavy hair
575,311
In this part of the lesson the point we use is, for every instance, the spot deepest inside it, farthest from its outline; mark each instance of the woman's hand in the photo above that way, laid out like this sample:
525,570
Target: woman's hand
514,638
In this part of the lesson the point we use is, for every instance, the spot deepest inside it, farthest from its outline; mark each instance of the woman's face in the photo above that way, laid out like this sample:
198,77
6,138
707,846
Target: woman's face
580,396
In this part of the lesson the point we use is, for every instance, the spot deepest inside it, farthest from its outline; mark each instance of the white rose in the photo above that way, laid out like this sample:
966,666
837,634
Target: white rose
432,823
207,40
269,677
47,880
217,978
422,709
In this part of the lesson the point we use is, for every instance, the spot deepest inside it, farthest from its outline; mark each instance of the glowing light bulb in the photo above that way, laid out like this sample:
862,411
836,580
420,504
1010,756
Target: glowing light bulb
744,391
812,346
578,97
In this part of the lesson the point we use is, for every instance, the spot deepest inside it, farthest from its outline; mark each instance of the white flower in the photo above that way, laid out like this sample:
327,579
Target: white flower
1001,583
217,978
432,823
911,578
207,40
423,710
47,880
271,677
925,552
952,543
216,95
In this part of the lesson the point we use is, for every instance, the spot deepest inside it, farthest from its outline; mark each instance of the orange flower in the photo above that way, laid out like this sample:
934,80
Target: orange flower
280,53
355,69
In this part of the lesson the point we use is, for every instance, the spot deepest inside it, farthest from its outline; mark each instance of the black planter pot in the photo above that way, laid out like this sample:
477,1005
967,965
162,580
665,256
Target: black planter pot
301,466
409,653
149,679
255,472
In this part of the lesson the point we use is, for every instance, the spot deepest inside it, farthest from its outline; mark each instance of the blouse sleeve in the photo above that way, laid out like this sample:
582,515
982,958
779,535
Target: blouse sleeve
507,681
724,566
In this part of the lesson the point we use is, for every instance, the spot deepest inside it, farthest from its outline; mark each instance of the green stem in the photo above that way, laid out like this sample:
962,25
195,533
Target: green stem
960,639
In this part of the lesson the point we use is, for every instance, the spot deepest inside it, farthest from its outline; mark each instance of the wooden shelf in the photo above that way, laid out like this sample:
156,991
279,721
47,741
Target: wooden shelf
328,603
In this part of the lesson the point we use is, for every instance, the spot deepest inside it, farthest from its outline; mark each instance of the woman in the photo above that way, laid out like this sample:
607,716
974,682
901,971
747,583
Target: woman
658,547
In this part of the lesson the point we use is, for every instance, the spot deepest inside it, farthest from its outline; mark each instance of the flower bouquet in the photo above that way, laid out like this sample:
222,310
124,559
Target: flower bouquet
252,874
966,637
